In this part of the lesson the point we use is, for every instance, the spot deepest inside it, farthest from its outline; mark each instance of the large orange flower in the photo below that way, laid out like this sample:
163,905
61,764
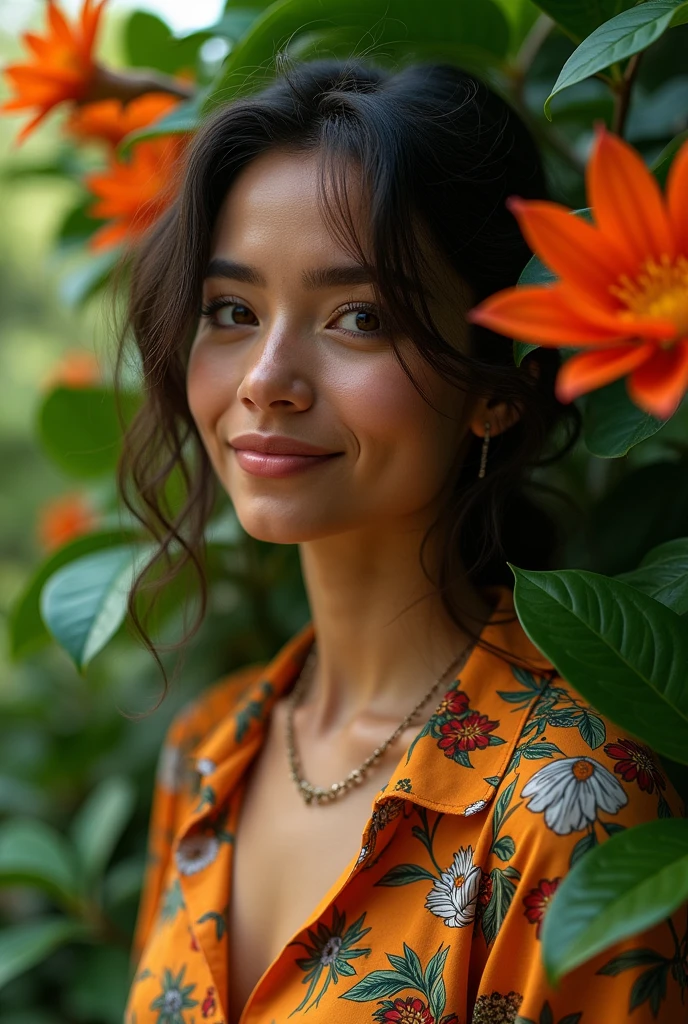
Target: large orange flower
133,193
65,518
622,288
112,119
62,65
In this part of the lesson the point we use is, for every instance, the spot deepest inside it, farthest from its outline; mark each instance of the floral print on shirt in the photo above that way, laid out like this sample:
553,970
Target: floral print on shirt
438,918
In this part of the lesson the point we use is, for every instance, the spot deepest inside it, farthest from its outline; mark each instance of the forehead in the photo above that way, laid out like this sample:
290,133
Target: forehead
274,201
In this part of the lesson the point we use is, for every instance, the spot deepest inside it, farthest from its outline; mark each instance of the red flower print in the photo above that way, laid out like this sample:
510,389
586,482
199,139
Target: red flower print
537,901
454,703
635,763
466,733
484,892
208,1004
193,944
411,1010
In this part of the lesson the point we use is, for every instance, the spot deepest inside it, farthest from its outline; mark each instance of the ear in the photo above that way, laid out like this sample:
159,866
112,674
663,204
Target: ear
500,416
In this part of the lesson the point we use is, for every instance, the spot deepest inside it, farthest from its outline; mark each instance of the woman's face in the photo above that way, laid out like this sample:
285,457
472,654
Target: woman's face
290,343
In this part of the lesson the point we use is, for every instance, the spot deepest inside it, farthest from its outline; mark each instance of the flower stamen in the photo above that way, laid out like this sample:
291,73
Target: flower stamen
661,290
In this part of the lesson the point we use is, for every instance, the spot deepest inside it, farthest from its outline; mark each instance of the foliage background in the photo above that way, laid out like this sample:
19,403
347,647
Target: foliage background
68,756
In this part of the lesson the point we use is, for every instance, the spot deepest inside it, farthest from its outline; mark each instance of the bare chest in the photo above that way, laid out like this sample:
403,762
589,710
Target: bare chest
287,857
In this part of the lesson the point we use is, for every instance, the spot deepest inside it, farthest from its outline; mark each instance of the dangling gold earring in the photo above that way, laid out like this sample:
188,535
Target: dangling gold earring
483,454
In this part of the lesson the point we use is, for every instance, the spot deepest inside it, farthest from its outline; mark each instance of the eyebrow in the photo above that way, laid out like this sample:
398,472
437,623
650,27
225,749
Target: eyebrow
317,277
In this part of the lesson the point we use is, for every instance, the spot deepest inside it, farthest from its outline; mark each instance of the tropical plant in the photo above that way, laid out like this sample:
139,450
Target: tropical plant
603,88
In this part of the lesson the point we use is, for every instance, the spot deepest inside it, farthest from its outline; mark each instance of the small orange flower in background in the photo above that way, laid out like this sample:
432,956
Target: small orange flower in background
62,65
132,193
76,369
110,120
622,289
65,518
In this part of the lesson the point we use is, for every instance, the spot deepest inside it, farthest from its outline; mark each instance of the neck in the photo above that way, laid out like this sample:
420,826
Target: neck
383,634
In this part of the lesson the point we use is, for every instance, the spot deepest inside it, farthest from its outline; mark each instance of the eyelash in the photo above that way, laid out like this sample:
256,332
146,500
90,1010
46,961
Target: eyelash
214,305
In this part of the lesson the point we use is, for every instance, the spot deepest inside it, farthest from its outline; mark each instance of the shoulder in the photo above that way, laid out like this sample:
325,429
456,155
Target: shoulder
575,778
195,723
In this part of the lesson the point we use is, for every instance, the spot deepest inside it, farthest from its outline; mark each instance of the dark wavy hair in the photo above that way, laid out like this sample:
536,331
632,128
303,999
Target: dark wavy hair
437,150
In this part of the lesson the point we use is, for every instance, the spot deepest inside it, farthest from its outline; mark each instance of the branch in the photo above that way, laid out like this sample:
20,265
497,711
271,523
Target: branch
622,94
109,84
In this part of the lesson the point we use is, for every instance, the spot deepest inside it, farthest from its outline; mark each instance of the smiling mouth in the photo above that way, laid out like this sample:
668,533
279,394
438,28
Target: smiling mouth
265,464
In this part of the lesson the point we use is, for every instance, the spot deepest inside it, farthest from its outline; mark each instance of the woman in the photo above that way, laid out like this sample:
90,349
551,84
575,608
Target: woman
369,827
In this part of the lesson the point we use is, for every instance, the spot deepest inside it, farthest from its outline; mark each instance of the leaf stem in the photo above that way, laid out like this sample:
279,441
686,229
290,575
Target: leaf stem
109,84
622,94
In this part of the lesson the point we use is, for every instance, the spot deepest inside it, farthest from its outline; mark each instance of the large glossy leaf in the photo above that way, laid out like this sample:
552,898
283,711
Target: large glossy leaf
663,575
621,37
27,631
25,945
578,18
80,430
481,31
84,603
150,43
184,118
521,15
613,424
98,826
33,853
635,879
626,653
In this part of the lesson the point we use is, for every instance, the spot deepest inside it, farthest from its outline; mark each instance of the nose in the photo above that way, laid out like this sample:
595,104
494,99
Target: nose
276,373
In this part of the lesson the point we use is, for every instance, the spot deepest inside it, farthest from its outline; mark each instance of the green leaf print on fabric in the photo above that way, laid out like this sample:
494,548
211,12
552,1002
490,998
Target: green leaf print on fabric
328,954
406,973
219,919
555,708
174,998
503,890
252,710
172,902
651,986
547,1017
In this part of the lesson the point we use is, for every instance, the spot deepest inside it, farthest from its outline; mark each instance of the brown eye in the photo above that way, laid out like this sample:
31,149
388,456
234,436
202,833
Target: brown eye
235,313
359,321
366,321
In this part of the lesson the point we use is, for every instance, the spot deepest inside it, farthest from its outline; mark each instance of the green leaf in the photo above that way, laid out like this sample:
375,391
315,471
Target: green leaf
592,730
578,18
623,651
521,15
621,37
613,424
83,281
632,881
460,30
663,575
403,874
80,430
27,632
185,117
583,846
35,854
660,168
504,848
503,890
149,43
99,824
25,945
378,985
84,603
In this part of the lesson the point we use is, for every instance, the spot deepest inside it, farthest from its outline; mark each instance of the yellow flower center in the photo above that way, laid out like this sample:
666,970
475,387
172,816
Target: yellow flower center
459,880
582,770
661,290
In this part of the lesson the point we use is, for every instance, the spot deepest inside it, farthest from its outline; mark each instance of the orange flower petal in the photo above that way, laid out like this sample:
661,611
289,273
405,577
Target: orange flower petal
592,370
627,200
659,385
550,316
575,251
677,197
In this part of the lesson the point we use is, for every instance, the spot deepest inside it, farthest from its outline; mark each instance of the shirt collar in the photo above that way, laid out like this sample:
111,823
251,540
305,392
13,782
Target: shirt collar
458,758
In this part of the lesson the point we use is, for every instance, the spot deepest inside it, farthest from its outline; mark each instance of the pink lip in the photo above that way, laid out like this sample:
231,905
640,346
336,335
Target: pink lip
262,464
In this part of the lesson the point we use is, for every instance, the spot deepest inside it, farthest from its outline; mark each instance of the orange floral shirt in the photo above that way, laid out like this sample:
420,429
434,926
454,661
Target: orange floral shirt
437,920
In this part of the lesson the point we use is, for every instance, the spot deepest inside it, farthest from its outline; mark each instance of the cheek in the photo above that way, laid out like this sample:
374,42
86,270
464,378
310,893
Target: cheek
206,387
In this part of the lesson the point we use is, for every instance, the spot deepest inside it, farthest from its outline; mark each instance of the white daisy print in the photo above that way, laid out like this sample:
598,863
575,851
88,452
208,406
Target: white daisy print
474,808
455,893
196,852
204,766
171,769
571,791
